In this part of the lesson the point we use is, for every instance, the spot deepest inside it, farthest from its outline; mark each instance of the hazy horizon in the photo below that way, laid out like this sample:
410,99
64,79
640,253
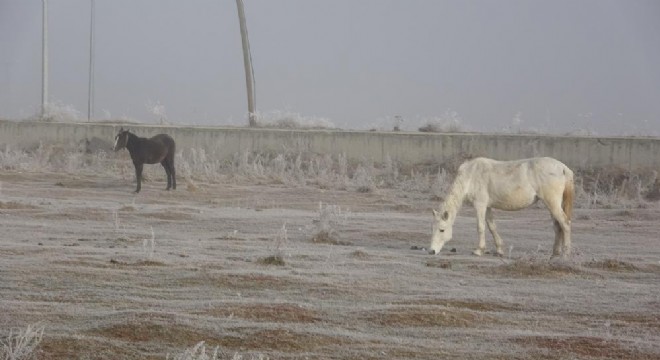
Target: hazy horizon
589,66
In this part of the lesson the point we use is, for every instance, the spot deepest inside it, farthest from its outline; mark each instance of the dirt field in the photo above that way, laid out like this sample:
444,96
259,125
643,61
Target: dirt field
111,275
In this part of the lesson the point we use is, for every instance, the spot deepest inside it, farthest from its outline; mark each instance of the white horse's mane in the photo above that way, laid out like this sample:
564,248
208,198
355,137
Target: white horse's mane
456,195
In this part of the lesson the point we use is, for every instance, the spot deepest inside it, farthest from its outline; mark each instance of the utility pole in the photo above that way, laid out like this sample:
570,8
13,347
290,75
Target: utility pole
90,89
247,62
44,61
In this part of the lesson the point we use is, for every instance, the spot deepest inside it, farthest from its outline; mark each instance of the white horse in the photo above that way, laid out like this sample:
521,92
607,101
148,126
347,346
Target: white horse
507,185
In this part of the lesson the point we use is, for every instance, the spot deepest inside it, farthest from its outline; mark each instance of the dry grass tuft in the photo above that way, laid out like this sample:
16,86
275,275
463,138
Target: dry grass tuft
146,330
137,263
328,237
474,305
584,346
170,215
282,313
78,215
402,236
281,340
624,213
536,268
611,265
241,282
272,260
653,193
65,348
442,264
649,320
197,352
191,186
21,345
359,254
416,317
13,205
483,305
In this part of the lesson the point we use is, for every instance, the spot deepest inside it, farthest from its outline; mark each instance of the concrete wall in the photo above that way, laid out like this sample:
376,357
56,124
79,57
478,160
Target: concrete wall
582,152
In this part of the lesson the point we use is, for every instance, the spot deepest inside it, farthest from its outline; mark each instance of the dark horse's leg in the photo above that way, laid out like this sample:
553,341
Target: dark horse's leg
170,161
172,172
138,176
168,164
168,173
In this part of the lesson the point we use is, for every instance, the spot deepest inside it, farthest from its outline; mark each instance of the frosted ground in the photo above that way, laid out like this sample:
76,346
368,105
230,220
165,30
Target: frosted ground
295,257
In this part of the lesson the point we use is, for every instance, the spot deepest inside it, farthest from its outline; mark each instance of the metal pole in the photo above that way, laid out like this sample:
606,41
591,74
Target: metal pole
90,89
44,61
247,62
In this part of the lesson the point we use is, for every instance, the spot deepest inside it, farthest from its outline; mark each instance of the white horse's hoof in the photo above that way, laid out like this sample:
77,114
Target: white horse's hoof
478,252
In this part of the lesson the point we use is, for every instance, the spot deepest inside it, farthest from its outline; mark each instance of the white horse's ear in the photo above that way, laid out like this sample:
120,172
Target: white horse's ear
445,216
435,213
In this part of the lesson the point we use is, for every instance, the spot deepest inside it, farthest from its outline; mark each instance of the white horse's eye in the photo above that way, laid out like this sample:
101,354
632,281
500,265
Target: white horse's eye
442,230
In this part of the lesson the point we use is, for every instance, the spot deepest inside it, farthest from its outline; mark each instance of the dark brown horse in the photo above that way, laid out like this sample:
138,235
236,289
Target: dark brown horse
158,149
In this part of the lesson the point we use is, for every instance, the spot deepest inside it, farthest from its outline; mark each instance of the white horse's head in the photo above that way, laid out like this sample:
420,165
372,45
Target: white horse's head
442,231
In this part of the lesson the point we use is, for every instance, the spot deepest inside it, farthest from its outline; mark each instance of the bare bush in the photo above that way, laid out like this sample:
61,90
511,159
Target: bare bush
449,122
57,111
69,158
614,186
149,246
200,352
280,241
363,179
21,344
292,120
158,110
197,352
330,217
442,184
595,188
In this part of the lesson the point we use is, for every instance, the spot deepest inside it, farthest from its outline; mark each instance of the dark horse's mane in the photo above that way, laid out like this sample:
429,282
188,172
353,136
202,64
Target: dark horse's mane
158,149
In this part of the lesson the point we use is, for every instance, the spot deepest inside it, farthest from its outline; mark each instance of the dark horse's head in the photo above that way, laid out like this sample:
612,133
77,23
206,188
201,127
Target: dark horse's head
121,139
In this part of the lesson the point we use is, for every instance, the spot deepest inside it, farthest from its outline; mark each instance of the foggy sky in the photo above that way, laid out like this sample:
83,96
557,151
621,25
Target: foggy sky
557,66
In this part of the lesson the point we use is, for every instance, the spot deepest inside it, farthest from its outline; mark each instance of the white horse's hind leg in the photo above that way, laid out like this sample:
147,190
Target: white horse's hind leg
559,239
567,238
493,231
562,228
481,229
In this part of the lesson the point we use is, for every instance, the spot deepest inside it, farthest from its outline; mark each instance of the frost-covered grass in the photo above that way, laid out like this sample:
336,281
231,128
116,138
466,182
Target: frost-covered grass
615,187
292,120
57,111
449,122
330,218
595,188
73,265
21,344
201,352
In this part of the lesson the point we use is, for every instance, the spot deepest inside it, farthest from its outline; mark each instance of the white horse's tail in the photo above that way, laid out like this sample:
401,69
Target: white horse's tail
569,194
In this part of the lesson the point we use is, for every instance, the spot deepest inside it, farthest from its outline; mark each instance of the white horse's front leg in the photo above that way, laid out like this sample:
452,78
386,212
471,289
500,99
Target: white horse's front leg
481,229
493,230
